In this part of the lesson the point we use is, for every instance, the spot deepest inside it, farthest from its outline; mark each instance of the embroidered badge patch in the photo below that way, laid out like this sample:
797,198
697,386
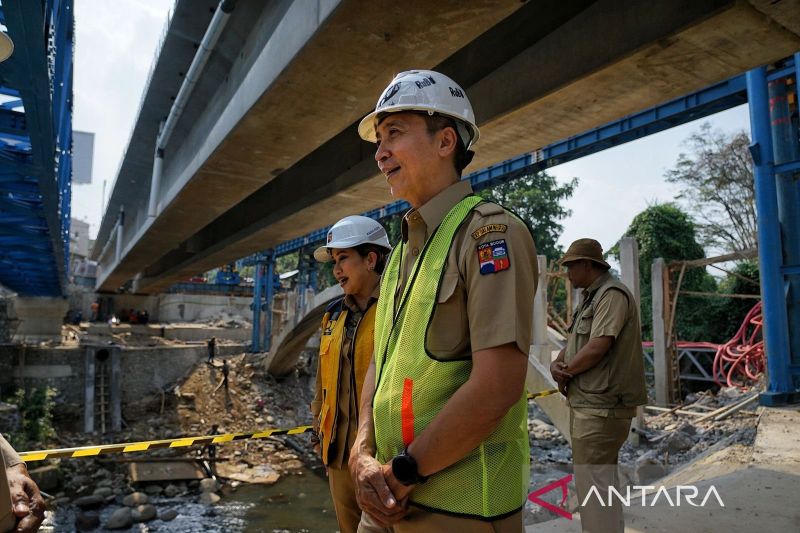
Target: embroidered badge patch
489,228
493,257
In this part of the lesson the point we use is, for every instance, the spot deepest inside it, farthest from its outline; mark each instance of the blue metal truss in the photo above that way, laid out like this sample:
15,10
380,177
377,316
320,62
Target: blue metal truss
776,158
713,99
36,146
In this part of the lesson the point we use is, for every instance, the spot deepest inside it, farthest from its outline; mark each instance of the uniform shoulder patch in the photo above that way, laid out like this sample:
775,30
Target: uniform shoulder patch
493,257
489,228
488,209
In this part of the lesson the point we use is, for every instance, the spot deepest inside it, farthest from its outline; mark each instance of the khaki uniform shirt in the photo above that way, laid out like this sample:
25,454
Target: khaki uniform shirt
347,417
474,311
610,314
9,455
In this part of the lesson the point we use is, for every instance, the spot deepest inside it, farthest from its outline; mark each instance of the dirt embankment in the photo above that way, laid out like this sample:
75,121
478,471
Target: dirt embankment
252,401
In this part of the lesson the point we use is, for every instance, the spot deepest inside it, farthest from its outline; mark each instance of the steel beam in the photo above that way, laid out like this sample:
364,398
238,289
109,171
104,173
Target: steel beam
776,326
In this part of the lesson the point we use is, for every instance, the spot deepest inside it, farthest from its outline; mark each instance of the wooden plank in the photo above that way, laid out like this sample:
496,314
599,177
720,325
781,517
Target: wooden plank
164,471
722,295
744,254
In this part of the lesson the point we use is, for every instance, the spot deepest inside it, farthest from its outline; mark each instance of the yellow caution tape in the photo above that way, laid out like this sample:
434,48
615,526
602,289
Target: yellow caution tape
541,394
180,442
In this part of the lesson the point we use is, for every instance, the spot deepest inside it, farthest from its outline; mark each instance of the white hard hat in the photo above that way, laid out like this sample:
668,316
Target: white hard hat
6,46
350,232
425,90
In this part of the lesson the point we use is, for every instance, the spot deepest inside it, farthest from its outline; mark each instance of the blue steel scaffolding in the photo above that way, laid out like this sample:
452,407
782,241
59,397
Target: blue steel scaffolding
265,285
776,156
36,146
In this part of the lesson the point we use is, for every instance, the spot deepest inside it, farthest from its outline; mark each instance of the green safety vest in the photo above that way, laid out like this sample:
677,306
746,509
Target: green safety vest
491,482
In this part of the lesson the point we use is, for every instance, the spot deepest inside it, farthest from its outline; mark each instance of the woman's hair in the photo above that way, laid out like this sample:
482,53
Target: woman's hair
364,250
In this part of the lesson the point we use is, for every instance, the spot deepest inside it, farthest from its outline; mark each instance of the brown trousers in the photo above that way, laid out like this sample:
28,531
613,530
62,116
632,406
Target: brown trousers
343,493
421,521
596,441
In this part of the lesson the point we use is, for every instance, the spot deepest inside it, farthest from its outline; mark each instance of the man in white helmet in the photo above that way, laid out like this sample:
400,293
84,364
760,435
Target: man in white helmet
442,443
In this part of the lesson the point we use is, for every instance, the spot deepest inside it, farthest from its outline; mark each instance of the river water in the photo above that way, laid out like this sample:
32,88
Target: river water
296,503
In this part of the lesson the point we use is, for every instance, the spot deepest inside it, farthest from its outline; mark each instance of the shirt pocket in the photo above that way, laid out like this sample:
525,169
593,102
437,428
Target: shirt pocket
584,325
447,334
325,344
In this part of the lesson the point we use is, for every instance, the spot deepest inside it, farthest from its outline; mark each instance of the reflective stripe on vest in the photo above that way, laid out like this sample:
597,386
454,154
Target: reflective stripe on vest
412,387
330,354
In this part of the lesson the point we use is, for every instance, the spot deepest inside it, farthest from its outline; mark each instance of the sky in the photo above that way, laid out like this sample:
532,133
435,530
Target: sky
115,44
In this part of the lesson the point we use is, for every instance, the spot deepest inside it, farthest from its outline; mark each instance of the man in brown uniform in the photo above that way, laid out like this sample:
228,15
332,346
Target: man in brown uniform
483,311
601,371
26,501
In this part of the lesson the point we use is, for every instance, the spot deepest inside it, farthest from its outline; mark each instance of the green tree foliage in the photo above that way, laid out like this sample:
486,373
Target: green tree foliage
36,411
664,230
729,313
718,188
537,199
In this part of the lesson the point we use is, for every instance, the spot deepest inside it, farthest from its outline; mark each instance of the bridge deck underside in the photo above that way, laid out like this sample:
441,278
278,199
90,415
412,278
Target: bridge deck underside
536,74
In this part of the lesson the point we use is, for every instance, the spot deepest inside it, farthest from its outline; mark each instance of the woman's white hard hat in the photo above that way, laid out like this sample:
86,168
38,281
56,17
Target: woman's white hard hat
350,232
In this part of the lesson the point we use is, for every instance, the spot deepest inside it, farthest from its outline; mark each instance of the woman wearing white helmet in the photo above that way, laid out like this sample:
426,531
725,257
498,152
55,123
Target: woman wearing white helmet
358,247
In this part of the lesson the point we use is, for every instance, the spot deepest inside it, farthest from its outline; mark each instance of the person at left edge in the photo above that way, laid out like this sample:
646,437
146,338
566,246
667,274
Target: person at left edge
26,500
358,246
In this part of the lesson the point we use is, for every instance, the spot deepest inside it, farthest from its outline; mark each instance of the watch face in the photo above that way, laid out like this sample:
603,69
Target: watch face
402,468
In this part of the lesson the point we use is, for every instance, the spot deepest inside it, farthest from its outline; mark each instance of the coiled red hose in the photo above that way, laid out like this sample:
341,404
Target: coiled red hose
742,358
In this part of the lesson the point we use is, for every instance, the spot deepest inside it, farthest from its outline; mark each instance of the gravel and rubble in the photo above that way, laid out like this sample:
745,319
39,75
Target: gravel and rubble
98,492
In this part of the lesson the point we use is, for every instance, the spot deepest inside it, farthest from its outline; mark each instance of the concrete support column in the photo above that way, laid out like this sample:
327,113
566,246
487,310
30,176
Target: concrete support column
155,182
629,266
116,390
662,365
118,243
88,393
542,349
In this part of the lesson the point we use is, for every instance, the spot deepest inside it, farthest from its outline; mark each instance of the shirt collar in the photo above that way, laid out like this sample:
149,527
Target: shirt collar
351,303
605,276
435,209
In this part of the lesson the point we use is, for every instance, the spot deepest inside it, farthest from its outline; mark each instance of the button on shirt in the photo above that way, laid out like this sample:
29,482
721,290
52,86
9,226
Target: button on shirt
474,311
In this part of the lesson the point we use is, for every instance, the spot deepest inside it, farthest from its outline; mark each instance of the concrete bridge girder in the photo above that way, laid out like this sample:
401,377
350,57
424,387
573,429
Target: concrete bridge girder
262,119
546,72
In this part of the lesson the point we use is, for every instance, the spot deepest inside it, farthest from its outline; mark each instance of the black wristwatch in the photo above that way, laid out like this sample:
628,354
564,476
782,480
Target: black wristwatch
404,468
